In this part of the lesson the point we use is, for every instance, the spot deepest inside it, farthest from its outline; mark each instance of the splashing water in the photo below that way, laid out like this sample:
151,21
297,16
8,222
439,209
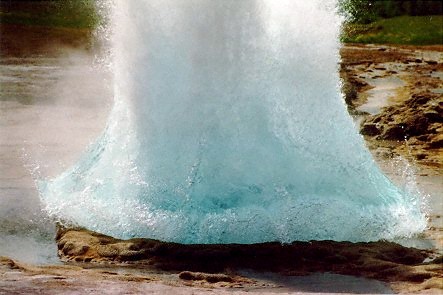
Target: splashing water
229,126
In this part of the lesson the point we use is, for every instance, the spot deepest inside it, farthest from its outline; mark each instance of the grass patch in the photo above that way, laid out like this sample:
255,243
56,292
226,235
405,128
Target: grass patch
63,14
412,30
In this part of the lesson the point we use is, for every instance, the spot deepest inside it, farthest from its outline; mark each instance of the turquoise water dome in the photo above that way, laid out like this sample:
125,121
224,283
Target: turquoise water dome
229,127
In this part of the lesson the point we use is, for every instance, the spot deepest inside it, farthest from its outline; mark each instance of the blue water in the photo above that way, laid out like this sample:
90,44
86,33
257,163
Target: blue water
229,126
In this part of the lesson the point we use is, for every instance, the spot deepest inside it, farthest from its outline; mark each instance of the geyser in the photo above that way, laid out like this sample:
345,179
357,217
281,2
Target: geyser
229,126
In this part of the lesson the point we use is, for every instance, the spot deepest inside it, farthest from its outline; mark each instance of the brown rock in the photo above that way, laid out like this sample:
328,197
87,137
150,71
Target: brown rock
370,129
382,260
209,277
433,116
394,132
436,142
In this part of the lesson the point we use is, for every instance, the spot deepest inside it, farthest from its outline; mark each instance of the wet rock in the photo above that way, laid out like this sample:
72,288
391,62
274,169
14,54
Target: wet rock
210,278
418,100
436,142
416,126
433,116
434,283
423,138
209,262
417,277
421,156
370,129
11,264
108,251
419,120
394,132
351,87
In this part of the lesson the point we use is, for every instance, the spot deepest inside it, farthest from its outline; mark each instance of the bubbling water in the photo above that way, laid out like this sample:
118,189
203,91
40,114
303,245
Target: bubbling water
229,126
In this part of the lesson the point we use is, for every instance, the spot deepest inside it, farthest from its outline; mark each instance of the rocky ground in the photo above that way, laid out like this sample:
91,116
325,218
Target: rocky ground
409,120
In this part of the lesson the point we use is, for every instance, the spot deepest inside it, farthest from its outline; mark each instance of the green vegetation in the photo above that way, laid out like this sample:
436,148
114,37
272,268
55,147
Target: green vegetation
414,22
414,30
55,13
368,11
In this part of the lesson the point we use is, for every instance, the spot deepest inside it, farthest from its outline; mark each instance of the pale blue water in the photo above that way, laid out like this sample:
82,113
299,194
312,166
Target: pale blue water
229,126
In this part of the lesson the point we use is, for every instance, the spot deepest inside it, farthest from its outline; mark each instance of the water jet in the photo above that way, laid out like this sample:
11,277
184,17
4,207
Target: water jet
229,127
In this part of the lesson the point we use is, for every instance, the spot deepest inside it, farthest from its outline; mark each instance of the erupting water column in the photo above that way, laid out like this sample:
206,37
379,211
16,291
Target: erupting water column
229,126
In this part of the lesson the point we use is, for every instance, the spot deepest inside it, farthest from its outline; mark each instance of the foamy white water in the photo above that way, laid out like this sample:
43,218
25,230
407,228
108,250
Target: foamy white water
229,126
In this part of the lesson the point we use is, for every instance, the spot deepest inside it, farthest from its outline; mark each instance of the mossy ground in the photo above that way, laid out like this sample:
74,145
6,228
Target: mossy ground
412,30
